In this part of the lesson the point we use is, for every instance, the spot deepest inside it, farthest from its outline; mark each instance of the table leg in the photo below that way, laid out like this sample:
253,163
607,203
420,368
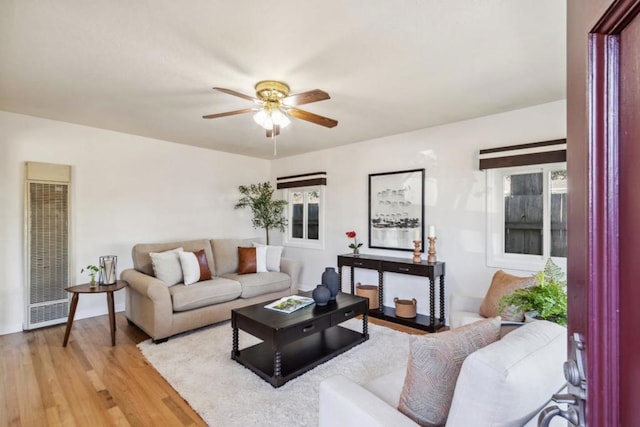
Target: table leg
352,288
432,303
72,313
112,317
277,366
380,290
365,325
442,299
235,352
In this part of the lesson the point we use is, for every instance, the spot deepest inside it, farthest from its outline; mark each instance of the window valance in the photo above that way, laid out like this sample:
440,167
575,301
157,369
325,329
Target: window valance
535,153
302,180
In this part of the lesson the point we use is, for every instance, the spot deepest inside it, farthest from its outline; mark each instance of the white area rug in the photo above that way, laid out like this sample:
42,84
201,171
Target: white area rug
198,365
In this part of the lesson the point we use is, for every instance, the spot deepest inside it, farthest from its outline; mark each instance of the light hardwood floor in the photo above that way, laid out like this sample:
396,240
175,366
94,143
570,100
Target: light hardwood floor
89,383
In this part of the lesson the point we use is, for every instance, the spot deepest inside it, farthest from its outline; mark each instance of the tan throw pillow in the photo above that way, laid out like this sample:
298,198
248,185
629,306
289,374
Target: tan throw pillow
504,284
434,364
247,261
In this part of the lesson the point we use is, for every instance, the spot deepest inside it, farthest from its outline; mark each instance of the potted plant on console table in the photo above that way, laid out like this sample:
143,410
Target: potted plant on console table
547,300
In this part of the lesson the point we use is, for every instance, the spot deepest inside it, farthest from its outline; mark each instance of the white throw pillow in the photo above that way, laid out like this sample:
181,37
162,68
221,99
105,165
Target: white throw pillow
274,253
261,259
190,267
166,266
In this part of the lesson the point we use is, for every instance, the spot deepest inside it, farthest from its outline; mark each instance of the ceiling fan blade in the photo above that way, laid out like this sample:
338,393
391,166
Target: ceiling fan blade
313,118
229,113
241,95
276,129
306,97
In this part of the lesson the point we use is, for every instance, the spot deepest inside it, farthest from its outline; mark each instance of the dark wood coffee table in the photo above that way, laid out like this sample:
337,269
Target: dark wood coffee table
296,342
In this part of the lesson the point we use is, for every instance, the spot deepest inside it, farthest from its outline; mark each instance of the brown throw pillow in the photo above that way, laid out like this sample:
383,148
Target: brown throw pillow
247,262
205,272
434,364
504,284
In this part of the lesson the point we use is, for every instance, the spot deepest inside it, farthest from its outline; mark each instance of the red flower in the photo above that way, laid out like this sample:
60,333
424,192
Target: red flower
355,245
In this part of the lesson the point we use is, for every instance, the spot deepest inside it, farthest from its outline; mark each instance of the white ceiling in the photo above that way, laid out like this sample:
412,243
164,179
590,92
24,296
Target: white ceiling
146,67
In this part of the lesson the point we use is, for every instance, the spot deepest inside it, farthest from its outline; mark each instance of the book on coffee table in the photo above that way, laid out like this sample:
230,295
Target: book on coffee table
289,304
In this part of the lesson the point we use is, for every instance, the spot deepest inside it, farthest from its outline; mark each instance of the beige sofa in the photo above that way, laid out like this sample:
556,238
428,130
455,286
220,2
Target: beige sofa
163,311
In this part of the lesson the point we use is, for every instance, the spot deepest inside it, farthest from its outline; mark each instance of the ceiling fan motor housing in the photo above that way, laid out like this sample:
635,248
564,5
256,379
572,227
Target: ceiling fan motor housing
271,91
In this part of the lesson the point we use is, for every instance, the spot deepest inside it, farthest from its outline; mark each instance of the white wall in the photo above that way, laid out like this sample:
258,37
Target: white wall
129,189
455,195
126,189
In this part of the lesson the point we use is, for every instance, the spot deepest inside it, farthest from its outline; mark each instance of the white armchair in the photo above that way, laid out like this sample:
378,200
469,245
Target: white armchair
506,383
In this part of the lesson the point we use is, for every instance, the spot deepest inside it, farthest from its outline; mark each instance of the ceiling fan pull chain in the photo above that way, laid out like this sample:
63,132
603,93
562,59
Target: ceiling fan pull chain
273,136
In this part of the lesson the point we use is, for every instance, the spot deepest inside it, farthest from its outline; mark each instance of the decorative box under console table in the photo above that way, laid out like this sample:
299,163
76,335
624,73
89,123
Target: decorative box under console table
387,264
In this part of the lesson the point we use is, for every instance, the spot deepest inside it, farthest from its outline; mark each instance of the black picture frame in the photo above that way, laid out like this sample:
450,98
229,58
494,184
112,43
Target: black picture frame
396,209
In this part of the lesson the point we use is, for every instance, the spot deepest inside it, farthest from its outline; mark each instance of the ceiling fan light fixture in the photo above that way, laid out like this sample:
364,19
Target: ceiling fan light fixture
268,118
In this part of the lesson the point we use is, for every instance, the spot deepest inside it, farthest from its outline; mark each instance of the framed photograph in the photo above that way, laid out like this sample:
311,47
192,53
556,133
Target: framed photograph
396,209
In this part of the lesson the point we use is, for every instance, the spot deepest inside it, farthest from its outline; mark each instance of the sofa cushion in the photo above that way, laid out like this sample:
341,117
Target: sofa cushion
432,370
142,260
261,259
507,382
194,267
504,284
204,293
274,253
247,262
166,266
260,283
225,252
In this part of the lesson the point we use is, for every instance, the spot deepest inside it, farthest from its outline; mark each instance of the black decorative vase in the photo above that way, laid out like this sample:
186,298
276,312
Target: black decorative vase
332,281
321,295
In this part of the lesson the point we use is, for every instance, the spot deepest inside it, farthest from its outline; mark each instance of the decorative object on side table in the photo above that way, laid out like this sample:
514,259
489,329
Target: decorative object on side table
406,308
416,251
331,279
108,270
355,246
432,244
92,270
321,295
548,298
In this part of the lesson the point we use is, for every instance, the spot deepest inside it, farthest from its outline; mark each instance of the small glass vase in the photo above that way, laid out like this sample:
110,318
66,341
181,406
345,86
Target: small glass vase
356,252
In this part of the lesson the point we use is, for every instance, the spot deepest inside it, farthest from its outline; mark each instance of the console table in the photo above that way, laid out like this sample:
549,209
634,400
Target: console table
387,264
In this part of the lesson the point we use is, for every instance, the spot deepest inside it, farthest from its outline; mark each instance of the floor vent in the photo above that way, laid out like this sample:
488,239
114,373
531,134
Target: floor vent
47,220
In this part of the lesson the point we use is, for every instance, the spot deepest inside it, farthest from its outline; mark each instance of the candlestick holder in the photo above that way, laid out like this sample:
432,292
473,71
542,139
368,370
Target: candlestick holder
416,251
432,250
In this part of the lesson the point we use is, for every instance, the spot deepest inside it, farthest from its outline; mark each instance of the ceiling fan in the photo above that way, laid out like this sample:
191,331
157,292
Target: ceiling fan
275,105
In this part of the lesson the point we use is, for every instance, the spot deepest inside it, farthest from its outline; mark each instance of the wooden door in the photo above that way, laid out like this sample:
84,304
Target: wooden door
603,158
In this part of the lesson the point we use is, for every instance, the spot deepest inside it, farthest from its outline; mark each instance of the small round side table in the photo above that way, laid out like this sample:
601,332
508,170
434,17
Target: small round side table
97,289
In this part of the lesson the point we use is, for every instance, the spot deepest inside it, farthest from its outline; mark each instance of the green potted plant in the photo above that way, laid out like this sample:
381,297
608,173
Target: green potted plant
547,300
92,270
267,213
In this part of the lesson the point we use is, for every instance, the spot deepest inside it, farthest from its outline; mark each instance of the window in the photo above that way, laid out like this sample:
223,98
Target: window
305,217
527,216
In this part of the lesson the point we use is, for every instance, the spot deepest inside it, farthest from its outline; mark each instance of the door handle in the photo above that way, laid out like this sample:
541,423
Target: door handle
570,414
